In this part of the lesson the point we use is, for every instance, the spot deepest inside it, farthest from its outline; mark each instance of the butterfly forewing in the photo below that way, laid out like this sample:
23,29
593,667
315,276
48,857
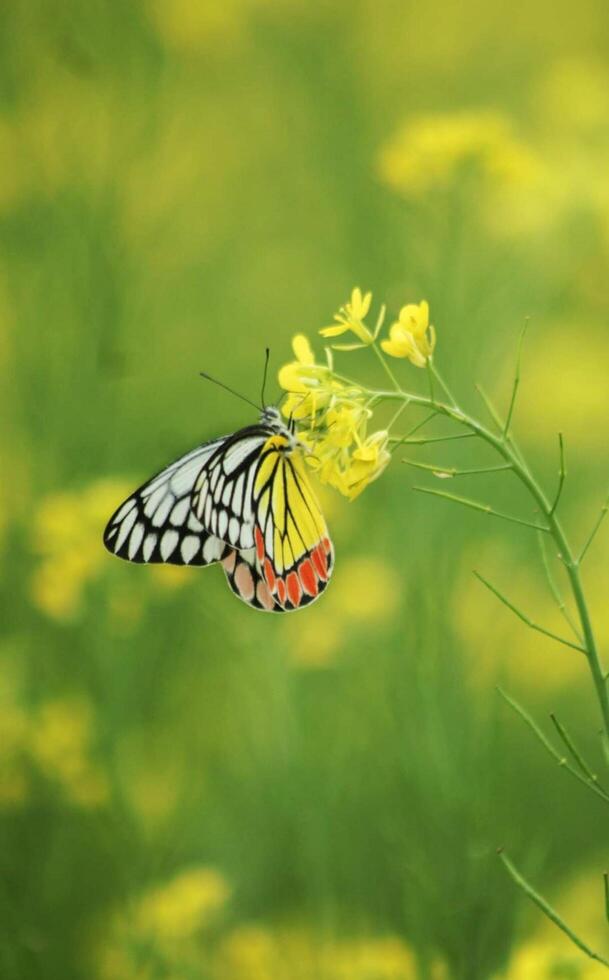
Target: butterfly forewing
157,523
222,496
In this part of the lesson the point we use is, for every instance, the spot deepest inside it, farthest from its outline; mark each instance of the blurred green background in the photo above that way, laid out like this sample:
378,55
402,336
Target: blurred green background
189,789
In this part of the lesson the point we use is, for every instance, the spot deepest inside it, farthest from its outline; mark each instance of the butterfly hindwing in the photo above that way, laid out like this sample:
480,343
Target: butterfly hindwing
157,524
293,548
247,582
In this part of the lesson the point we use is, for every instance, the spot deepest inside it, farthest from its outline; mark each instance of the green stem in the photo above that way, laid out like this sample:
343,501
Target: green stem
572,748
440,380
560,602
546,908
509,452
386,368
558,758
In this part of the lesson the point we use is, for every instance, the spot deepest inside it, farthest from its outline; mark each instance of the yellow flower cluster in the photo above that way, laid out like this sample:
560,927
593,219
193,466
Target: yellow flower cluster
543,960
61,733
164,930
338,446
254,951
181,907
429,152
67,535
334,411
54,741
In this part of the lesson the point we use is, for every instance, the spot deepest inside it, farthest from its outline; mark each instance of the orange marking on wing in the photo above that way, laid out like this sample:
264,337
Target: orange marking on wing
294,589
307,577
244,581
229,561
281,591
327,545
259,543
320,562
264,596
269,574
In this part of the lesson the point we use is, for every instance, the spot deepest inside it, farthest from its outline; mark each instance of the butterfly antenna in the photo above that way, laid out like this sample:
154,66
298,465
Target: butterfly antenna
221,384
267,354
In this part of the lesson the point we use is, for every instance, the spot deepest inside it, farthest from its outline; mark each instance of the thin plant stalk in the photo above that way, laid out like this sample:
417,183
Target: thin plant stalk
505,449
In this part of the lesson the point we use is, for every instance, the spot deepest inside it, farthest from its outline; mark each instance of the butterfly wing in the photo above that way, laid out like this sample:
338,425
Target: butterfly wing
157,524
242,500
247,582
222,498
294,553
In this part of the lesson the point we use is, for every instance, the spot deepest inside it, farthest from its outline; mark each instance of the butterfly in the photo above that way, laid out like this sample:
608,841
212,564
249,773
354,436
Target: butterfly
243,500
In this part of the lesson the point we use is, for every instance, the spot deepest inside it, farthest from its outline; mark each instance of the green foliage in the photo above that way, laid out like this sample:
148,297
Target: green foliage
188,788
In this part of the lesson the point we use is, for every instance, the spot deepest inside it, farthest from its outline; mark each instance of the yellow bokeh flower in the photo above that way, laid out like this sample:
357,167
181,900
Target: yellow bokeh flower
411,335
165,931
66,534
351,317
430,151
183,906
13,742
59,742
543,960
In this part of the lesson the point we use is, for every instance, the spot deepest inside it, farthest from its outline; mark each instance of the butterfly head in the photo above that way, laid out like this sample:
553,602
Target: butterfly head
272,419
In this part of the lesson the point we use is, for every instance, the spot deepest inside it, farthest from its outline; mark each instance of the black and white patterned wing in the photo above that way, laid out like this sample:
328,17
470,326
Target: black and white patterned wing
223,493
157,524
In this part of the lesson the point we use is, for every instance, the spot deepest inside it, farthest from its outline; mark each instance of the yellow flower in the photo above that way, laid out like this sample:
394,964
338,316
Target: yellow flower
351,317
411,335
309,385
367,464
60,743
430,152
184,905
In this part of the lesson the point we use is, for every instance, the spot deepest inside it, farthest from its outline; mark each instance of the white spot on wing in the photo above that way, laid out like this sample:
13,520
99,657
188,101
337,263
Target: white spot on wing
212,549
233,530
207,514
126,526
241,451
127,506
238,494
182,481
162,511
137,536
189,547
168,543
247,500
154,500
180,512
193,523
149,544
268,538
222,524
215,477
247,536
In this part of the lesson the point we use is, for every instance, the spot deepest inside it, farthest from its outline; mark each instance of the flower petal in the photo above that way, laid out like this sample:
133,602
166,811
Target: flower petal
334,331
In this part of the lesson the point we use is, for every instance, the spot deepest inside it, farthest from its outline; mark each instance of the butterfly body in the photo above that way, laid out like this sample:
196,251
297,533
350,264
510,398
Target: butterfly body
243,500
